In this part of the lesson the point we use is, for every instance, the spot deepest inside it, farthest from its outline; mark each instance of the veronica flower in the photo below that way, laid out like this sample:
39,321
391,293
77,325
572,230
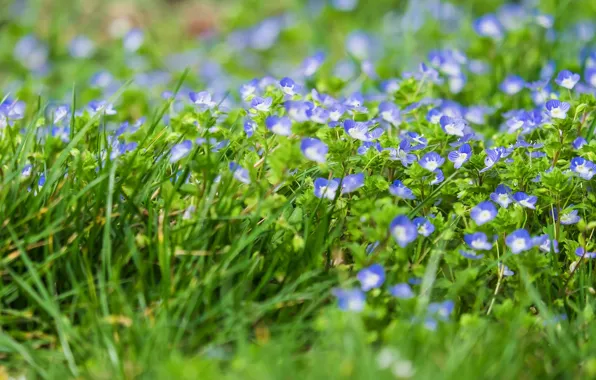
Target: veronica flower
133,40
299,111
453,126
478,241
512,85
359,131
543,243
352,183
489,26
26,172
434,116
567,79
581,252
279,125
416,141
483,212
470,255
398,189
390,86
586,169
519,241
442,309
505,270
63,133
81,47
579,142
60,113
314,149
202,99
311,64
249,89
336,111
439,177
492,157
350,299
403,230
249,127
354,102
590,76
179,151
557,109
401,290
372,277
460,156
42,180
425,228
287,86
525,200
326,188
502,196
569,217
261,104
100,106
320,115
431,161
362,149
390,113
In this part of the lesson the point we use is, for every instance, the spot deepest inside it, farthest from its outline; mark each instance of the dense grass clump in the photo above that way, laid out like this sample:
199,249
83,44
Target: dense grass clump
301,191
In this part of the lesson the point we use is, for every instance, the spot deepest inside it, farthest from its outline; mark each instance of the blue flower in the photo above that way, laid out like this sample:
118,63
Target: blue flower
470,255
359,131
525,200
249,89
441,309
100,106
249,127
424,226
60,113
431,161
505,270
344,5
483,213
579,142
298,110
567,79
416,141
350,299
402,153
557,109
179,151
434,116
81,47
590,76
352,183
583,167
311,64
336,111
390,113
453,126
279,125
492,157
519,241
543,243
390,86
133,40
320,115
362,149
26,172
202,99
401,290
287,86
581,252
439,177
372,277
403,230
569,217
512,85
398,189
42,180
261,104
326,188
460,156
314,149
478,241
502,196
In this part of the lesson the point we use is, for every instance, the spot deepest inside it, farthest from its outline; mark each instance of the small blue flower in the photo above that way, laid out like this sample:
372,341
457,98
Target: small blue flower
578,143
202,99
512,85
359,131
320,115
298,110
460,156
42,180
81,47
581,252
439,177
249,127
179,151
311,64
441,309
362,149
424,226
569,217
249,89
453,126
279,125
416,141
402,291
326,188
336,111
352,183
402,153
434,116
398,189
390,113
489,26
133,40
100,106
543,243
590,76
431,161
344,5
372,277
60,113
26,172
288,86
350,299
586,169
470,255
557,109
241,174
403,230
525,200
483,213
261,104
478,241
492,157
519,241
314,149
502,196
567,79
505,270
